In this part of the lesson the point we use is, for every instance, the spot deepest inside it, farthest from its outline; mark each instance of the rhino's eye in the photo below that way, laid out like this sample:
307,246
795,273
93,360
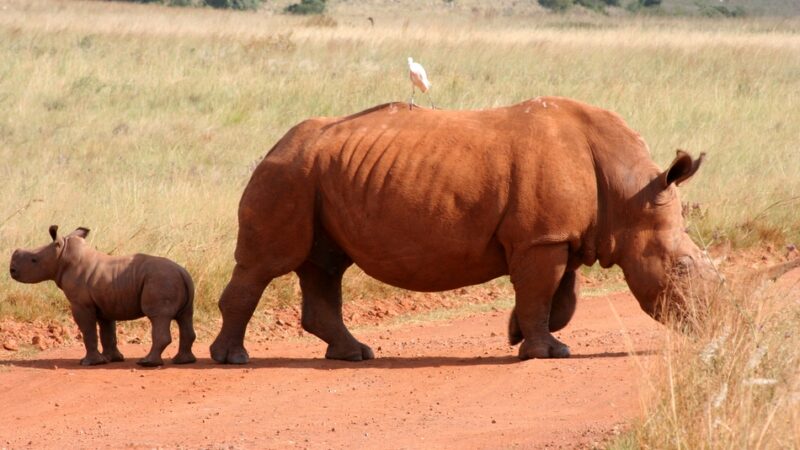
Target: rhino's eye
34,260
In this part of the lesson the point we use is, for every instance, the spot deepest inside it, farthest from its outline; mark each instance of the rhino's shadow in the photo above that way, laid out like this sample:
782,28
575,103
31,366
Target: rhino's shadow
392,362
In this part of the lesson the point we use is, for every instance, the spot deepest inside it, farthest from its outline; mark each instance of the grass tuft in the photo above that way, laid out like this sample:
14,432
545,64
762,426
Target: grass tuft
733,382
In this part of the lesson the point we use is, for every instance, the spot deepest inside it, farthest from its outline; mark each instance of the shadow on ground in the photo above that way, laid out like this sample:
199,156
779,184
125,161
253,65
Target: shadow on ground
306,363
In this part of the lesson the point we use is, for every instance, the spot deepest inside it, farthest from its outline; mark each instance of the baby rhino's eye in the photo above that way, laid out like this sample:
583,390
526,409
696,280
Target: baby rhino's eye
34,260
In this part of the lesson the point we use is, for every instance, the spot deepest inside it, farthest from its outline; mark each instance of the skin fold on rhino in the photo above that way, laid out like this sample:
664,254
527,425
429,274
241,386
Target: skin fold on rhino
103,289
430,200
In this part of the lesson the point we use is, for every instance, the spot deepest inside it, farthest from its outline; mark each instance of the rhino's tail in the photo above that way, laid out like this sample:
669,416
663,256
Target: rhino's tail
189,286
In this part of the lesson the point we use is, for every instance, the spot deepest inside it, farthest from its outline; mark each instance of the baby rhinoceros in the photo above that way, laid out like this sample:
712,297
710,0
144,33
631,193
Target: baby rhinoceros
103,289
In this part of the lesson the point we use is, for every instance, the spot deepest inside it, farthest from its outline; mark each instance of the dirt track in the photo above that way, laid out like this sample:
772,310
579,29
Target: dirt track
442,384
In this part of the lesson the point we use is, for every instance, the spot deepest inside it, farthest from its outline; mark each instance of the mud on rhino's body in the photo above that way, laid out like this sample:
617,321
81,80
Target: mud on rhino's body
430,200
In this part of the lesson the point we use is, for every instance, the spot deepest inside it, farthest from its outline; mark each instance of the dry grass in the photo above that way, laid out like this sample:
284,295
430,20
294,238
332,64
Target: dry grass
734,382
143,123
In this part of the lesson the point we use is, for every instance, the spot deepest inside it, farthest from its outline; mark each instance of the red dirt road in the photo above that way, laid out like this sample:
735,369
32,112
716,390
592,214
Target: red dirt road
454,384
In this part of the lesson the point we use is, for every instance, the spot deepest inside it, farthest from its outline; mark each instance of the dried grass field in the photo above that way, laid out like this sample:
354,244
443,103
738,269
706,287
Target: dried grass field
143,123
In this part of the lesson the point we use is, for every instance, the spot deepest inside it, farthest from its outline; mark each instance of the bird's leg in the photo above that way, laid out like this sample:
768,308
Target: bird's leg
411,102
431,100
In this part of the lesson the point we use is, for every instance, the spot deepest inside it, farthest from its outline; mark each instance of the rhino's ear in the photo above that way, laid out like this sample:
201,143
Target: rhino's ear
681,169
54,231
81,232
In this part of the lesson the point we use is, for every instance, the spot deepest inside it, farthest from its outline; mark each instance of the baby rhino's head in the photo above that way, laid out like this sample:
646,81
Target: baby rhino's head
41,264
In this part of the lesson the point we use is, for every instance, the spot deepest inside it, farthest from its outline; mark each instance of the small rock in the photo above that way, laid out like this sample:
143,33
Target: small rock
11,345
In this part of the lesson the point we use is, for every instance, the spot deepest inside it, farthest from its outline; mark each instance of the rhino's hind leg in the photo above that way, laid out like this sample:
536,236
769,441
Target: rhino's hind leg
322,310
564,300
514,333
186,336
536,273
276,229
237,304
108,337
161,339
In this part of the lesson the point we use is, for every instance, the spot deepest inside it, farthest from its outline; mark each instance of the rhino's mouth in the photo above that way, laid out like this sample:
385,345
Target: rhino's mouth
13,272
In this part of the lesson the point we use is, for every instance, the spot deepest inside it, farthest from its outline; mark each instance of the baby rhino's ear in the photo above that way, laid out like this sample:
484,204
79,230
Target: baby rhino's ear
81,232
54,231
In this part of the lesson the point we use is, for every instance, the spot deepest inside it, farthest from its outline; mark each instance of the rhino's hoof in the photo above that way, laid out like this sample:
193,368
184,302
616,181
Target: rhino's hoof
366,353
237,356
94,360
360,353
114,356
228,354
184,358
542,349
144,362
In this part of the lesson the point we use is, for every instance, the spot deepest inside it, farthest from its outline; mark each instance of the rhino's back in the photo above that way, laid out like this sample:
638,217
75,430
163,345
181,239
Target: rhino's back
417,198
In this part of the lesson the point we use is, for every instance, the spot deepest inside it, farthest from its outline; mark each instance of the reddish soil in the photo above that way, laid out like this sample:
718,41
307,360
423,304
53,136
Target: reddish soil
440,384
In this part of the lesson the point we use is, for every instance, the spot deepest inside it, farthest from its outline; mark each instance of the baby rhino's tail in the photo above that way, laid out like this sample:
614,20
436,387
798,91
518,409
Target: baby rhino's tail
189,286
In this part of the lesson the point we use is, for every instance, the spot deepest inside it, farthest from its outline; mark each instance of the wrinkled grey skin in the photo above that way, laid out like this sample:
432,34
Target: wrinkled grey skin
102,289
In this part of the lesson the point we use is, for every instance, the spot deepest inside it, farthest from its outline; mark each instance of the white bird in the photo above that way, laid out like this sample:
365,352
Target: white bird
418,79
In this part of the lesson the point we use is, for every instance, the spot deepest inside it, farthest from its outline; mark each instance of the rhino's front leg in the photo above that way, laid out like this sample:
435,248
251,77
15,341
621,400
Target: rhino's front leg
86,318
536,273
108,337
562,308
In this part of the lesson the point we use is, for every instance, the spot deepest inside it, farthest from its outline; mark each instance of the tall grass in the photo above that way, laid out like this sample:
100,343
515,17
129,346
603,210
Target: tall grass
734,382
144,123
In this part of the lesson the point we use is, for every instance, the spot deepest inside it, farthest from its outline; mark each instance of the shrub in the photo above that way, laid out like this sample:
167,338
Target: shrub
720,10
637,5
234,4
556,5
306,7
597,5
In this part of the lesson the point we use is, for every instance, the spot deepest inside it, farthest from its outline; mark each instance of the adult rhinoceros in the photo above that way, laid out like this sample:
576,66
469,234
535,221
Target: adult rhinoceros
429,200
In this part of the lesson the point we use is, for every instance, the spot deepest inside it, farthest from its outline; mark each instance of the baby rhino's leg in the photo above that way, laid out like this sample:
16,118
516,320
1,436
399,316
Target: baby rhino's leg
108,337
187,336
161,339
158,300
86,318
